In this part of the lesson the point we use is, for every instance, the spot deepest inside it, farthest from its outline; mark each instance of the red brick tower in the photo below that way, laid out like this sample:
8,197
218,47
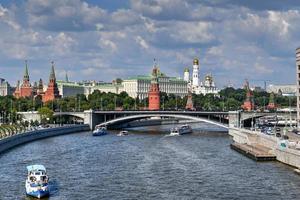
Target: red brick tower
272,105
26,89
52,90
17,91
153,94
248,103
189,102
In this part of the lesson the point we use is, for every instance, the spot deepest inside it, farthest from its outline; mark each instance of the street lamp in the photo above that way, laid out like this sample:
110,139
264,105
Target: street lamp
115,102
163,98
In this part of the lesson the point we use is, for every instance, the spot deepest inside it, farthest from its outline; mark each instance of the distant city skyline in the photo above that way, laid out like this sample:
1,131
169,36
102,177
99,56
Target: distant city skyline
104,40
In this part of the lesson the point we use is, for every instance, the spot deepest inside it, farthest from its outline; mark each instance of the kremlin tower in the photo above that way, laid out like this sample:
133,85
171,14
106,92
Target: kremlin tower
248,103
52,90
153,94
25,90
189,102
271,105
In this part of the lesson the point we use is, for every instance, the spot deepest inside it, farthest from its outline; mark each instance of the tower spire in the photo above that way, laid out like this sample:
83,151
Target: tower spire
26,74
52,73
67,77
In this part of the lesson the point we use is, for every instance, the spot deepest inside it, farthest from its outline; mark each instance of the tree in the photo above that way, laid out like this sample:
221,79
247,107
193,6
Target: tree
45,114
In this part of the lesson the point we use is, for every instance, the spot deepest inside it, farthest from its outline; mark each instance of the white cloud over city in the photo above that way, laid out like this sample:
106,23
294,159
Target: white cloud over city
97,41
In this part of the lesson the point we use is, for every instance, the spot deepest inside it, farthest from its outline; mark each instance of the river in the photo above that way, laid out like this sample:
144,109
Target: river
146,164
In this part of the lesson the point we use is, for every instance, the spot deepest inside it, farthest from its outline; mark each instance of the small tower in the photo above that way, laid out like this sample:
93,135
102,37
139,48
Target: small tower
153,94
189,102
52,92
195,82
17,91
40,89
186,75
271,105
248,103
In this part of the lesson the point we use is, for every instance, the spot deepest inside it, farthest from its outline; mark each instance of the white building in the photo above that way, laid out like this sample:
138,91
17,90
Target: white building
5,88
195,86
284,90
67,88
139,86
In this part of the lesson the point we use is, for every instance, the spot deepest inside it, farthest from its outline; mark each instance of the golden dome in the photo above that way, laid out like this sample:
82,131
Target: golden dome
196,61
208,77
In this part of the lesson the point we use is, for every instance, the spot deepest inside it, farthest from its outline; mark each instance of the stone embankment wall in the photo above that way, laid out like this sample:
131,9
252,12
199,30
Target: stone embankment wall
22,138
286,155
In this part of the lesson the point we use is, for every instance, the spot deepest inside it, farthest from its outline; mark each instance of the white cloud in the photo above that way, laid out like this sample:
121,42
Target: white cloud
142,42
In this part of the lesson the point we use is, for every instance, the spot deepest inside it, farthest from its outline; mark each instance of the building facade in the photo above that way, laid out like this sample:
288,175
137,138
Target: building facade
284,90
139,86
5,88
298,85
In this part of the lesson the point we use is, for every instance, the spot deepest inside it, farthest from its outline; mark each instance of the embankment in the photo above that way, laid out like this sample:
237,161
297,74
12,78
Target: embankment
22,138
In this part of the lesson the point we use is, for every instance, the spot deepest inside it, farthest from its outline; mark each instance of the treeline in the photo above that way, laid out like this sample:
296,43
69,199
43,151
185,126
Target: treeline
227,99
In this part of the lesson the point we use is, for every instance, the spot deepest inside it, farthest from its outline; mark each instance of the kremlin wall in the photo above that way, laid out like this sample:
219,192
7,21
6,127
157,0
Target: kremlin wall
137,86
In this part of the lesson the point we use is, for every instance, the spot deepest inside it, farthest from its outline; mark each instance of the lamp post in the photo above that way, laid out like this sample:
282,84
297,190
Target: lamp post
11,108
163,98
176,107
115,102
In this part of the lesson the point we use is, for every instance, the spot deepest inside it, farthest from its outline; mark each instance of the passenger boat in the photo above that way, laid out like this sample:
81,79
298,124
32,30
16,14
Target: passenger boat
184,129
37,181
99,131
123,133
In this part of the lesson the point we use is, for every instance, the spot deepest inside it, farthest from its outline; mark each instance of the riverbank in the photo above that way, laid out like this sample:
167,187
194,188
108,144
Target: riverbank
286,153
22,138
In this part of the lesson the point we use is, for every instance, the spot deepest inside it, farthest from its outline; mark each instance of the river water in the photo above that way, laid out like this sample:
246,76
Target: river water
147,164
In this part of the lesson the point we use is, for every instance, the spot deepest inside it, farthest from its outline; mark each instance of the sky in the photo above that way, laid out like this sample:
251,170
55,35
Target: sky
108,39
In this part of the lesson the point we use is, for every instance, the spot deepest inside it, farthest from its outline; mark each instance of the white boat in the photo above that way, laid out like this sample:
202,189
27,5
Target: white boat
99,131
180,130
37,181
123,133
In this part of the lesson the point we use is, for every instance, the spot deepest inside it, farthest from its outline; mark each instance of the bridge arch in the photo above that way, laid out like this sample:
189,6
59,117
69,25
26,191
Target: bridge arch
127,119
72,114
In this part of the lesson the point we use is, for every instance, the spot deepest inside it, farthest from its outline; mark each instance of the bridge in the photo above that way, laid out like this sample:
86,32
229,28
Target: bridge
116,118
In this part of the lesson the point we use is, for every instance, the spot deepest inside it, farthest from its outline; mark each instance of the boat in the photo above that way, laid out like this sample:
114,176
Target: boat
180,130
123,133
37,181
99,131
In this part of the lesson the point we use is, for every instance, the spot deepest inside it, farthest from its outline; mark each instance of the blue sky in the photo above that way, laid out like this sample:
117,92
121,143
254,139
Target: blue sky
103,40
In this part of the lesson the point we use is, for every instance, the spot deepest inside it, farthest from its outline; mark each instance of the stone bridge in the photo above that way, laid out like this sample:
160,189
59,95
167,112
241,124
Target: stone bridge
93,118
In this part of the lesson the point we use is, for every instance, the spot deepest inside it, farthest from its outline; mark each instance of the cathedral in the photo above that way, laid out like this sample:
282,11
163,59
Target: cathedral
207,86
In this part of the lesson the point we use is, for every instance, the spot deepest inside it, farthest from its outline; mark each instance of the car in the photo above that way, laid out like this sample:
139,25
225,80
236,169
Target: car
295,131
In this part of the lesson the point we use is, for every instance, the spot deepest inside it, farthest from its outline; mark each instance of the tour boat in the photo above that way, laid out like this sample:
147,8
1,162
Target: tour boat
99,131
184,129
37,181
122,133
